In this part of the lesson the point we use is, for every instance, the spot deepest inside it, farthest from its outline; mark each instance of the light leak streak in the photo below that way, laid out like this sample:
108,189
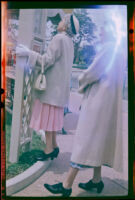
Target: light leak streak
3,81
118,20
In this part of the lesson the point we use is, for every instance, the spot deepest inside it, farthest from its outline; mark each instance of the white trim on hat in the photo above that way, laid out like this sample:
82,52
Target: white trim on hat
76,24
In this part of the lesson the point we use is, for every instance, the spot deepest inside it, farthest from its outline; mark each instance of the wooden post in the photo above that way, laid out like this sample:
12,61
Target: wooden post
27,36
17,108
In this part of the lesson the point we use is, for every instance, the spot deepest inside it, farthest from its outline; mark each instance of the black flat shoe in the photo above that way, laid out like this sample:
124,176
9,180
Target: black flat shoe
90,185
45,156
56,149
58,189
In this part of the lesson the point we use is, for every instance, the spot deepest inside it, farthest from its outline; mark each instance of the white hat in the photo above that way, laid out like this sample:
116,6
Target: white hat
72,24
76,24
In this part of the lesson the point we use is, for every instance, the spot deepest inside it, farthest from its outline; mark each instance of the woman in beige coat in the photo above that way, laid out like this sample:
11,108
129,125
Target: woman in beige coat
98,139
48,108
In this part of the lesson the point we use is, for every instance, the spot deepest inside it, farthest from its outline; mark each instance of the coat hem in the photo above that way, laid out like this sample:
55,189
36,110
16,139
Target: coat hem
80,165
51,103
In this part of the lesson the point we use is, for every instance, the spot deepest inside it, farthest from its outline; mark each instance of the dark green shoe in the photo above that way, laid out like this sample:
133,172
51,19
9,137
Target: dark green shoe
56,150
58,189
90,185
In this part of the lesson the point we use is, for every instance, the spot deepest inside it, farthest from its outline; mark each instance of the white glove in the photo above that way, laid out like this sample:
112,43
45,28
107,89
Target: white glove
22,50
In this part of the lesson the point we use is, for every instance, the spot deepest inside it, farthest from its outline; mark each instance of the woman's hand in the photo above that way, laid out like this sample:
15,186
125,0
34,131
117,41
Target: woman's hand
22,50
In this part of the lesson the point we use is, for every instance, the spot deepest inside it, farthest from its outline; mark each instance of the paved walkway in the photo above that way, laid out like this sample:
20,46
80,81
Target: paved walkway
116,184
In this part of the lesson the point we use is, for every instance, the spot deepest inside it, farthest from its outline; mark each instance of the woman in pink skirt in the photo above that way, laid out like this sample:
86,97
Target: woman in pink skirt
48,108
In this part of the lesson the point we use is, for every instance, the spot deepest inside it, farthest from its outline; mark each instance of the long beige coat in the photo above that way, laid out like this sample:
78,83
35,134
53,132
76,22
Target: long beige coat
98,139
58,61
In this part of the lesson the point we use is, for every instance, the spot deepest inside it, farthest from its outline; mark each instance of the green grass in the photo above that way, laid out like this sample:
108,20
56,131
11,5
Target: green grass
26,159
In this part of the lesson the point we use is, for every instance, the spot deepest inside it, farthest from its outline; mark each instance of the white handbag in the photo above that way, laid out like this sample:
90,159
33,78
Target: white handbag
40,83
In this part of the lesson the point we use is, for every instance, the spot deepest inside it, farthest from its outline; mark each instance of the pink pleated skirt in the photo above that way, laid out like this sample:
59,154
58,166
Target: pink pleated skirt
46,117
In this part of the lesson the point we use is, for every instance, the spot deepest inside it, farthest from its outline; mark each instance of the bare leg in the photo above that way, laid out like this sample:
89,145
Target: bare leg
97,175
54,142
49,145
70,177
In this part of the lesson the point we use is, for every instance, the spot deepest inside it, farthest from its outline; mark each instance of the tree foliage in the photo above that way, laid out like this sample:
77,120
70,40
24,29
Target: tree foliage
84,50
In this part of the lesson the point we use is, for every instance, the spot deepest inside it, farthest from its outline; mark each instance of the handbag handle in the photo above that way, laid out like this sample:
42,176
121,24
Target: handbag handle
42,66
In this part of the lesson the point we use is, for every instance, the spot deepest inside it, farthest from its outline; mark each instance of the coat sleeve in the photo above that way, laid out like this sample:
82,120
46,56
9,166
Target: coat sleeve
97,68
49,58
